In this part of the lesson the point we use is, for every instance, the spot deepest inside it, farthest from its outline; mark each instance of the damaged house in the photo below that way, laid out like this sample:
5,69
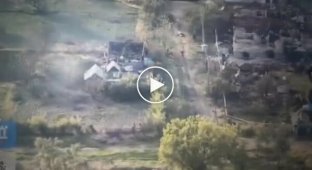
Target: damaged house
120,58
127,50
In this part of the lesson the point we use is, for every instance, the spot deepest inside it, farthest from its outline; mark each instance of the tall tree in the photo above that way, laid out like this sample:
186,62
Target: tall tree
156,113
156,110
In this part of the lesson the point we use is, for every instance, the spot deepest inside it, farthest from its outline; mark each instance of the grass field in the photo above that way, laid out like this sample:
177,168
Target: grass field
78,21
75,21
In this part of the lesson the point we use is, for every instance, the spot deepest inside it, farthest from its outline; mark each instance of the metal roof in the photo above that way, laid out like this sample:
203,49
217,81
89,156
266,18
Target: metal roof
94,70
112,65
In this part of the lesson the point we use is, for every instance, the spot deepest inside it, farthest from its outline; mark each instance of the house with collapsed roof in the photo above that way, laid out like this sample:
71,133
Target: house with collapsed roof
251,28
131,56
121,59
127,50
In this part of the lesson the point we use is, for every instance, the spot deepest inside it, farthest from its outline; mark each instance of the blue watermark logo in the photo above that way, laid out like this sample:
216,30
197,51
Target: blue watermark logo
7,134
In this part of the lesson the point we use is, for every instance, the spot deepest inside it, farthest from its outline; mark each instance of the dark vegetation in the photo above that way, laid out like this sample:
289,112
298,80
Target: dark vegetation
125,92
40,125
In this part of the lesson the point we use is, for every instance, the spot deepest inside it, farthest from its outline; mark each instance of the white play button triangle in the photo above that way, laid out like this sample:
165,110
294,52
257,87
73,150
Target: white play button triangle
154,85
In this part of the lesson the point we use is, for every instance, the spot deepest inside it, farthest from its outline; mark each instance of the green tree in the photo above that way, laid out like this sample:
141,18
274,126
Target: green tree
156,112
199,143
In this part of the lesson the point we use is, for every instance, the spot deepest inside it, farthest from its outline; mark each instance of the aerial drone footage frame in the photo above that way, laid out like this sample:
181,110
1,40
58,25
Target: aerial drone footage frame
155,84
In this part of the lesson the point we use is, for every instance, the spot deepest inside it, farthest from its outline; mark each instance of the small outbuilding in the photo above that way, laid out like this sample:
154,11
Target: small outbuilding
94,78
113,70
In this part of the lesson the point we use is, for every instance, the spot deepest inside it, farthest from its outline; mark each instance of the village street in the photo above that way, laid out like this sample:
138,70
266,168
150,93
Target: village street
187,64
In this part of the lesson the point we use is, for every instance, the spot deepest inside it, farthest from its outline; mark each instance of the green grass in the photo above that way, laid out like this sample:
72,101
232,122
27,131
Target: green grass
24,156
147,155
22,30
146,158
75,20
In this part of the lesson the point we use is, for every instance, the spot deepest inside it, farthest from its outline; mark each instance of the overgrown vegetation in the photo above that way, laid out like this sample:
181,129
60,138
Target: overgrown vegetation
156,113
7,105
51,155
125,91
41,125
199,143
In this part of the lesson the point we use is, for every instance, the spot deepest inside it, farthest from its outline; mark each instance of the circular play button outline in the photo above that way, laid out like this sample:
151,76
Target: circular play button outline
172,82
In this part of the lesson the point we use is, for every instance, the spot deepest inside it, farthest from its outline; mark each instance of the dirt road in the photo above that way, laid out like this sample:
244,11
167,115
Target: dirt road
184,52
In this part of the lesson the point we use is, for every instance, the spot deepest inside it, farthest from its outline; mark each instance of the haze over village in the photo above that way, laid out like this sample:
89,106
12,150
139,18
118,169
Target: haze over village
155,85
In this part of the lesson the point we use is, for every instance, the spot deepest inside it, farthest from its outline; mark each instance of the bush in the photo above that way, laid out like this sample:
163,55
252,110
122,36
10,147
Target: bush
67,121
38,125
67,126
38,120
197,143
51,155
125,92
